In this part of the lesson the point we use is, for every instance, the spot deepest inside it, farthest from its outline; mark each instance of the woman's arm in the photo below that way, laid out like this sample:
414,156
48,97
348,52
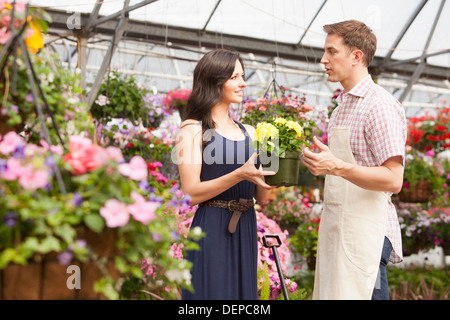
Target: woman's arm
189,158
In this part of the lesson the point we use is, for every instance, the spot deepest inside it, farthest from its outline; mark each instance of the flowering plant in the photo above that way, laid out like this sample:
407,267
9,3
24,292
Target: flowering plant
423,228
176,100
120,97
289,206
288,107
430,132
426,166
266,261
304,241
278,136
101,191
157,110
26,20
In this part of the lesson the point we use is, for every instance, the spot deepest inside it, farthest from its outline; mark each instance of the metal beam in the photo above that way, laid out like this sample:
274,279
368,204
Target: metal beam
423,60
178,36
402,32
312,21
120,28
117,14
210,16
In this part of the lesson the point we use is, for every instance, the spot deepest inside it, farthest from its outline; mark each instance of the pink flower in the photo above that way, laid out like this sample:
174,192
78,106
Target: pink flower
114,153
55,149
142,211
115,213
9,143
33,179
14,169
136,169
83,155
4,35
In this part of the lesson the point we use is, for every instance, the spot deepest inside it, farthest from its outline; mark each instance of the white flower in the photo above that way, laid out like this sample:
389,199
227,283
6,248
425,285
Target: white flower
102,100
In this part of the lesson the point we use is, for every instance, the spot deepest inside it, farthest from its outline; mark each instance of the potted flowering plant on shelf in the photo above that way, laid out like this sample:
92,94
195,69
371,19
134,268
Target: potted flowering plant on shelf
176,100
422,177
280,142
106,217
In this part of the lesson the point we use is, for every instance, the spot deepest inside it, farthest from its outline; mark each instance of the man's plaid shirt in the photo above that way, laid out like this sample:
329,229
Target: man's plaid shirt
377,132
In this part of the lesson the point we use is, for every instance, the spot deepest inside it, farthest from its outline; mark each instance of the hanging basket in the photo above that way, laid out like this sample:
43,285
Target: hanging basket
44,278
288,170
421,192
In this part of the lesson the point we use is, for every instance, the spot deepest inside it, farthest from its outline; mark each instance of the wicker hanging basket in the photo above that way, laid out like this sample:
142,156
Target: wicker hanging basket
421,192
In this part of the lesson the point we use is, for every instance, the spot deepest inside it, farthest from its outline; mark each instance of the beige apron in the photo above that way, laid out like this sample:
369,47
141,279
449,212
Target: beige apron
351,233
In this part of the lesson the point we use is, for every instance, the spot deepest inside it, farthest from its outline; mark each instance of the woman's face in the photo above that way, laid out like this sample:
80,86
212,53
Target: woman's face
233,88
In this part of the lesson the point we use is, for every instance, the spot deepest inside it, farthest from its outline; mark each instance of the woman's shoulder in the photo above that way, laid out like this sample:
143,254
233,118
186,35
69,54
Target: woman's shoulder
250,129
190,127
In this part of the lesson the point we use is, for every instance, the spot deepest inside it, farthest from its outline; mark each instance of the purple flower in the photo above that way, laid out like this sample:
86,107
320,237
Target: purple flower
29,98
77,199
3,166
19,151
10,219
65,257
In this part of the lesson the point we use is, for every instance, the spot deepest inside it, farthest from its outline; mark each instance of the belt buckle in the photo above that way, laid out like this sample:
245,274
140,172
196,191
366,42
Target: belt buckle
229,203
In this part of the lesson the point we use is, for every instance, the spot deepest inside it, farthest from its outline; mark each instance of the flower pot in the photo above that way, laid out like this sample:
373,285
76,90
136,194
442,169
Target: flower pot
44,278
288,170
421,192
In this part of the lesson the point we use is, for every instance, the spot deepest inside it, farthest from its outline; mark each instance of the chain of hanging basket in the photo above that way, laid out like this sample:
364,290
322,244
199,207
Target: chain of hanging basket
11,47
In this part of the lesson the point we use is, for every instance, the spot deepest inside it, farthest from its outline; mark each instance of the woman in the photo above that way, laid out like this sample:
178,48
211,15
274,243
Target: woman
217,168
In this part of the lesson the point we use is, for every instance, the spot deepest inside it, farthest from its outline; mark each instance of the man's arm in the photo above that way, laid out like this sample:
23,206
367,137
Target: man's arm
388,177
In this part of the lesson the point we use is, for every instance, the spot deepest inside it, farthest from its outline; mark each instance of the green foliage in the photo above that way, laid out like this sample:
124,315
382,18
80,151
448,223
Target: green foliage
120,97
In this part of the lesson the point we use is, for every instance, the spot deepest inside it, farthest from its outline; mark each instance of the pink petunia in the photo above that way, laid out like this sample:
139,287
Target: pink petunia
142,211
55,149
83,156
115,213
9,143
14,169
33,179
136,169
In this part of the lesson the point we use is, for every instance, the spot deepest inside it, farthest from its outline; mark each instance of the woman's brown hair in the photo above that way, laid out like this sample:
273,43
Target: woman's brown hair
210,74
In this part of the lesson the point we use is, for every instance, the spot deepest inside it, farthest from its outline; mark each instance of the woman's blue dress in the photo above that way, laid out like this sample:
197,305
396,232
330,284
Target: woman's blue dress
225,267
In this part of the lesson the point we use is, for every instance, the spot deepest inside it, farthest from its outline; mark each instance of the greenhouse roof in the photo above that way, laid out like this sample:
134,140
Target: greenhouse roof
162,40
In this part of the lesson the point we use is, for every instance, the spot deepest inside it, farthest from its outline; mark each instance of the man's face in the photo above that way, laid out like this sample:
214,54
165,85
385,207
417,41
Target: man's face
337,59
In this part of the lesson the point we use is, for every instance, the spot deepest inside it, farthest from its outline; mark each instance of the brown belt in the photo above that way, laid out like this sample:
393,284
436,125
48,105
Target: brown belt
237,207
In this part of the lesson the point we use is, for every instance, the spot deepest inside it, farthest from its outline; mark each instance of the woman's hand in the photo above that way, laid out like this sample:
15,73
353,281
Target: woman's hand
249,172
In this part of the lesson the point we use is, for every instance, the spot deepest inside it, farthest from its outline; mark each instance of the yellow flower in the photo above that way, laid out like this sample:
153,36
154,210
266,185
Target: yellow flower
295,126
280,120
265,130
35,41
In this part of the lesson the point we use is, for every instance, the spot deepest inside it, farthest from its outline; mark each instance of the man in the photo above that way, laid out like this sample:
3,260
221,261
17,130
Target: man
363,166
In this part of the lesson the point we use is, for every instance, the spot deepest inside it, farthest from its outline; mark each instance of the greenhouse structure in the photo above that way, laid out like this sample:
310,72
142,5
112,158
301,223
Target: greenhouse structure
98,202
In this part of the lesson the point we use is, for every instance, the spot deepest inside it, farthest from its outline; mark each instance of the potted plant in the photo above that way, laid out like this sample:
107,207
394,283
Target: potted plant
125,206
120,97
304,241
176,100
423,227
77,202
279,142
421,177
430,132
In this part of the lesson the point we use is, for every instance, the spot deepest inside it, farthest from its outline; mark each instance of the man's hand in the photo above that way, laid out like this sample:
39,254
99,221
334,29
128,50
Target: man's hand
321,163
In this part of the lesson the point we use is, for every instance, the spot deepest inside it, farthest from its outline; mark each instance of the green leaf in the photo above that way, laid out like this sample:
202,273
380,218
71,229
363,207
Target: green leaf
94,222
6,256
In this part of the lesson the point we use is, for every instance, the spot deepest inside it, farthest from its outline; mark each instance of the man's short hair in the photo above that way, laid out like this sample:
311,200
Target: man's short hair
356,35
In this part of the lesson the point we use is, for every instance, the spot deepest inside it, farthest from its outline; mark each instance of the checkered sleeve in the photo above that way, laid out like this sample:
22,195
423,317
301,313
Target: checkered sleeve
386,130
